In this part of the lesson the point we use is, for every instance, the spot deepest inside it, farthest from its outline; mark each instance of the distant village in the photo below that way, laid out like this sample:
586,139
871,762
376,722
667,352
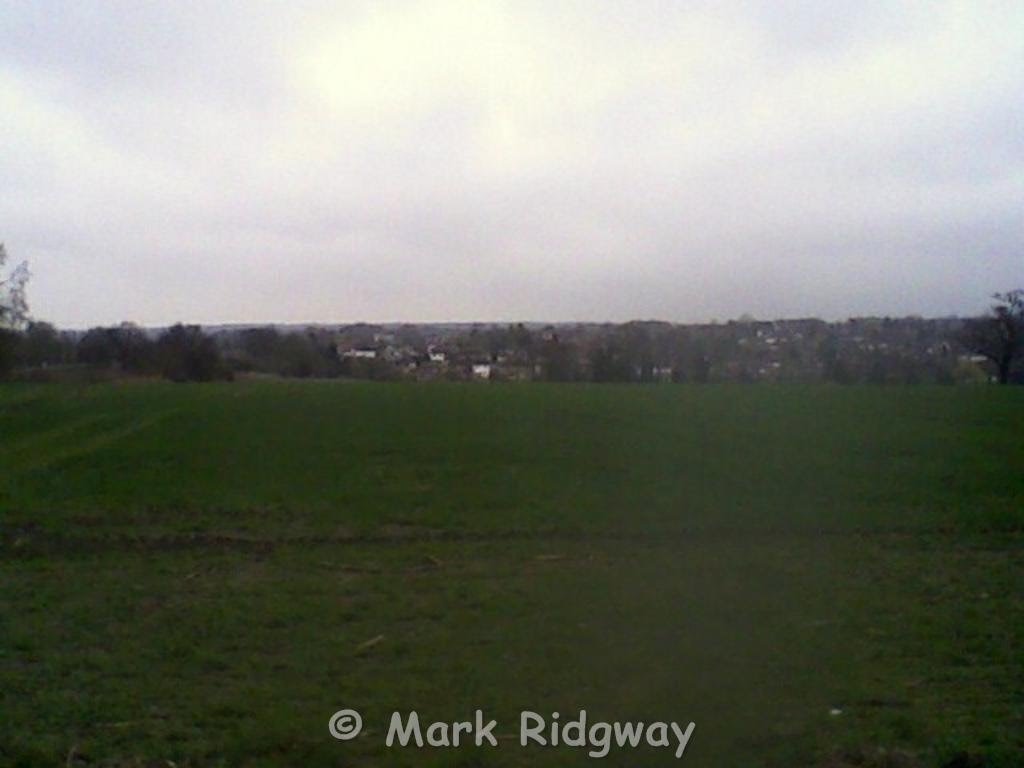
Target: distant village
870,350
859,350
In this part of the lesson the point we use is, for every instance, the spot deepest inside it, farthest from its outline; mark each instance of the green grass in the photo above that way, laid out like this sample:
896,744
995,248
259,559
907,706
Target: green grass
189,571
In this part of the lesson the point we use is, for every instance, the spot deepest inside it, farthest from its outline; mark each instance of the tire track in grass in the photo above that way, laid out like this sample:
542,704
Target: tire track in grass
15,453
72,449
29,541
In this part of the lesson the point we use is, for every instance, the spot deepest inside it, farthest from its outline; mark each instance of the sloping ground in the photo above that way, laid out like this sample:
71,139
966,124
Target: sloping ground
813,577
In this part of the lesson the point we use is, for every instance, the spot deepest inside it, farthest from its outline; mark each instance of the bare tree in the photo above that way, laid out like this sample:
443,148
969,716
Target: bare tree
999,336
13,307
13,310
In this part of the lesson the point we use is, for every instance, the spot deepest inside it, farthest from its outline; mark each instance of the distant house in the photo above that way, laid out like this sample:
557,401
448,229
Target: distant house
364,353
436,355
662,373
481,370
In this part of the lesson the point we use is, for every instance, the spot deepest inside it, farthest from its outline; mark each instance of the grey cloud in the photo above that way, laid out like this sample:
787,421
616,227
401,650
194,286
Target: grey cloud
602,161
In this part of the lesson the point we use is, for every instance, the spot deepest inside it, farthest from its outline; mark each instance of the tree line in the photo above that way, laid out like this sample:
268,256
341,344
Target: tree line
903,351
868,350
180,353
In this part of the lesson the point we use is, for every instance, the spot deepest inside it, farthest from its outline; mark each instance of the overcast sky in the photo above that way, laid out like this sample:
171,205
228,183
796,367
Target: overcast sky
478,160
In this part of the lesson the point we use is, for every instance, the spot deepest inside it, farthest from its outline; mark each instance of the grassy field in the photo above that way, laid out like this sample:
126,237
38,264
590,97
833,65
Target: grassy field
816,576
